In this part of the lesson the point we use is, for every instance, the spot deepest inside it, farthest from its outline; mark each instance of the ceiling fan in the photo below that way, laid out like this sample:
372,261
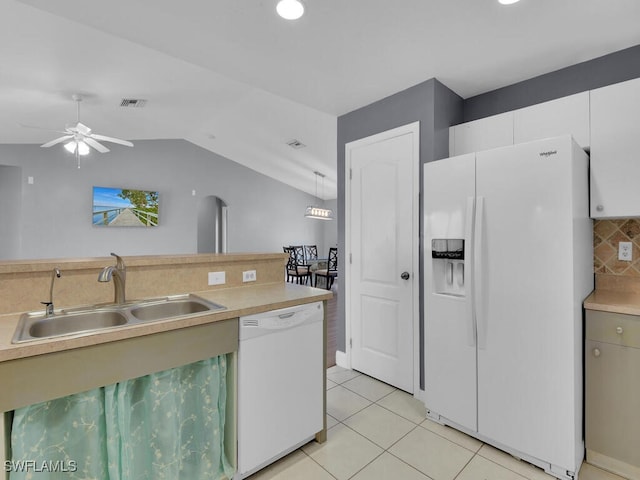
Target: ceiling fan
80,139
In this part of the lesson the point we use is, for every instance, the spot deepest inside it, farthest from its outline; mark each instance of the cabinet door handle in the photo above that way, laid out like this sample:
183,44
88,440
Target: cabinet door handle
619,330
596,352
599,208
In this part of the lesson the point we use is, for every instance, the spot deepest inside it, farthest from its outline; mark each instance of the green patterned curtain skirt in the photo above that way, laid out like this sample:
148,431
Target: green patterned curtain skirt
167,425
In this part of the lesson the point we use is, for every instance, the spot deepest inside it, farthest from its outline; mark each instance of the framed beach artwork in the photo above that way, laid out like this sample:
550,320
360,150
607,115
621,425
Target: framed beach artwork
122,207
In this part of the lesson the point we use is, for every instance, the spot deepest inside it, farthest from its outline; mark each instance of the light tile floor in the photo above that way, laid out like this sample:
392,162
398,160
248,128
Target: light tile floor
377,432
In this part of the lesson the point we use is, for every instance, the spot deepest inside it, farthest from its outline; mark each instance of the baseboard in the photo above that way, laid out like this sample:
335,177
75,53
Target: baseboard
613,465
420,395
342,360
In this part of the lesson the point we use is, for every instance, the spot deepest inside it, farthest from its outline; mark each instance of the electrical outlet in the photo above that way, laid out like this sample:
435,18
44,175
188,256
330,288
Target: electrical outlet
217,278
625,251
249,276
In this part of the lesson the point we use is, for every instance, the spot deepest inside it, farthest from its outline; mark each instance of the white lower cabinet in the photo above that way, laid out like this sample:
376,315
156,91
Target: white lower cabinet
615,162
612,392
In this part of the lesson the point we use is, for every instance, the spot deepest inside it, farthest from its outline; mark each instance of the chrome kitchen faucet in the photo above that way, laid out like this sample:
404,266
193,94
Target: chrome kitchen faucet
119,274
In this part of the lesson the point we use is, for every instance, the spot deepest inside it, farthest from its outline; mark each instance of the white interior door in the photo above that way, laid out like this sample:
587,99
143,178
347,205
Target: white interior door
382,241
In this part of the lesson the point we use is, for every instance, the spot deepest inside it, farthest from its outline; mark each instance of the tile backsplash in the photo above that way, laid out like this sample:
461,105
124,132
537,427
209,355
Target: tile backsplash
606,236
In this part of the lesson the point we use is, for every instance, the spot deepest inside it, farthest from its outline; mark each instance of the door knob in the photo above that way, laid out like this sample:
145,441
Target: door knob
404,276
596,352
619,330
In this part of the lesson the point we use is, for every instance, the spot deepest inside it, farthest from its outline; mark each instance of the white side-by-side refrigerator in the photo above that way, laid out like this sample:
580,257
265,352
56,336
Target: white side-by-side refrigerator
508,261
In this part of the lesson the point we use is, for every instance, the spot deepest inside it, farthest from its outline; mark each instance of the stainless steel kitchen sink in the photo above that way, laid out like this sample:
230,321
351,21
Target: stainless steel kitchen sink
85,321
75,323
173,307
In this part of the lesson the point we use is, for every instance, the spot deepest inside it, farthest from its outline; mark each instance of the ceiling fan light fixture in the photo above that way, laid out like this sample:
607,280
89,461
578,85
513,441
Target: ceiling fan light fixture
73,145
83,148
70,146
290,9
508,2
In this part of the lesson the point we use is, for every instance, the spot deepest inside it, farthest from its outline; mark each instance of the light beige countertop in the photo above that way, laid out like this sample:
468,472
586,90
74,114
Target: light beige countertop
615,294
45,265
243,300
614,301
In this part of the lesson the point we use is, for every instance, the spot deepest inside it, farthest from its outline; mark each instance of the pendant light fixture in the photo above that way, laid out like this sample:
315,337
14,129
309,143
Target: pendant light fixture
290,9
319,213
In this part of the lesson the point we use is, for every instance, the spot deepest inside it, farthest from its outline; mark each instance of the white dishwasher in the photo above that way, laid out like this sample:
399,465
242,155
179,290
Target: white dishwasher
280,384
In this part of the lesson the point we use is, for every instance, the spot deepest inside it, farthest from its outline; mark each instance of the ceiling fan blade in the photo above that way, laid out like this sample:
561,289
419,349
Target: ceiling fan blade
83,129
98,146
41,128
111,139
56,141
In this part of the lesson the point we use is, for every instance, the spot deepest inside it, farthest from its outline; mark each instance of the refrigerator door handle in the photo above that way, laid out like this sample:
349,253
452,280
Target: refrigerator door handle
469,255
479,287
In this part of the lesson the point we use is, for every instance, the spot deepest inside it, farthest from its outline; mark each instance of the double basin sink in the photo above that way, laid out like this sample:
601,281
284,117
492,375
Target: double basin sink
87,320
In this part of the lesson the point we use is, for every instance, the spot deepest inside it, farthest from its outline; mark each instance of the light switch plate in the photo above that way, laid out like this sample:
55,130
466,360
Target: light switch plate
625,251
217,278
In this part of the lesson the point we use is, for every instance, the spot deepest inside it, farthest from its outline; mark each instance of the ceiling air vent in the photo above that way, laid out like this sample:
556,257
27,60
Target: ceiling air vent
133,103
296,144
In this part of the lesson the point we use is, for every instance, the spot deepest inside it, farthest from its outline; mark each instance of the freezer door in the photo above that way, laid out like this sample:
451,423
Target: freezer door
450,352
526,311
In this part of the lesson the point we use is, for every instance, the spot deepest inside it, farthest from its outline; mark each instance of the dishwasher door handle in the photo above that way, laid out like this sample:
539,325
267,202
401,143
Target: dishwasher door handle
286,315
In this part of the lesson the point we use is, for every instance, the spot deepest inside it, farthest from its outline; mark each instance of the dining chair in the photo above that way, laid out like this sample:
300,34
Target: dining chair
295,270
310,253
331,272
299,253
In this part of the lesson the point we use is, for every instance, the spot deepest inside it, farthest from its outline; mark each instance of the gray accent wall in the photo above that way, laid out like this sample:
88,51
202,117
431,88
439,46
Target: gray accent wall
435,107
613,68
263,214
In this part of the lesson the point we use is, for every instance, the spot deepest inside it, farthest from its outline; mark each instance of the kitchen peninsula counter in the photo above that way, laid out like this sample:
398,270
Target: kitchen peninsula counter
239,301
39,370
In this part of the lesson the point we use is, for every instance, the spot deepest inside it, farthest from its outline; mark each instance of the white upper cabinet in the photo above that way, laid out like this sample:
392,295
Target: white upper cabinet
490,132
566,115
615,161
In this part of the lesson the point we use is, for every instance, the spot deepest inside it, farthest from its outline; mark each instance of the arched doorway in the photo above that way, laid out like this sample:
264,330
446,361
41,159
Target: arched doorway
212,225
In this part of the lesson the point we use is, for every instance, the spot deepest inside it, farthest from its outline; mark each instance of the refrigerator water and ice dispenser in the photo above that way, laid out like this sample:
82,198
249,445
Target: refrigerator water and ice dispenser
448,266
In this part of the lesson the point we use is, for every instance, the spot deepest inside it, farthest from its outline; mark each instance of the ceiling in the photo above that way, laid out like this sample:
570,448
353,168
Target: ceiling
234,78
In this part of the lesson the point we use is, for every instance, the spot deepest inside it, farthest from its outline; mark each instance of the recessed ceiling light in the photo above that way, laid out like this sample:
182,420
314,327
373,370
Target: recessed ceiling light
508,2
290,9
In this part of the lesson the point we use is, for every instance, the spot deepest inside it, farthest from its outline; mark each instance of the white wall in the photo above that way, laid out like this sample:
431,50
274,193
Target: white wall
10,211
264,214
330,229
